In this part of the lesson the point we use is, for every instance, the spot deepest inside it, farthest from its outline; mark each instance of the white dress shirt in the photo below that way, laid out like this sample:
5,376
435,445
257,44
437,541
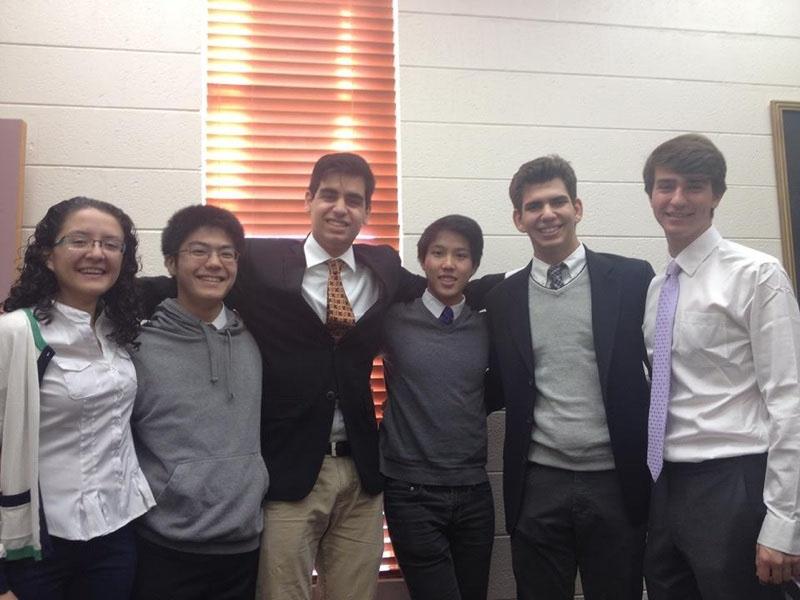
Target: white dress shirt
575,263
359,284
436,306
735,385
90,478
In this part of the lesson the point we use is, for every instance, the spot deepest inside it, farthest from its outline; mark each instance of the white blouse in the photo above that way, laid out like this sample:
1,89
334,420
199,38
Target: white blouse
88,471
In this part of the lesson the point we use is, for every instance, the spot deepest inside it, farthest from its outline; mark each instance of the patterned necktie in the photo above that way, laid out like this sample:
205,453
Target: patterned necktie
555,276
339,315
662,370
447,315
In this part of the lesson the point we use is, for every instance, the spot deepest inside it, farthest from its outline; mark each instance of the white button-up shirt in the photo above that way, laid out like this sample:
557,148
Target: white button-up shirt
436,306
575,263
90,478
360,287
736,371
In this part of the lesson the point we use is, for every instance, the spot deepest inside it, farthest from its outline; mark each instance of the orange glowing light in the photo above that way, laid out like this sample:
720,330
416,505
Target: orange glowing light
227,116
344,146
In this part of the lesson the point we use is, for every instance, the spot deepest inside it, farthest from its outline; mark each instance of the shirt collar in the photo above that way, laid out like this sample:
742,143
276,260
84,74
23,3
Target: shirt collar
436,306
75,315
316,254
691,257
574,262
221,319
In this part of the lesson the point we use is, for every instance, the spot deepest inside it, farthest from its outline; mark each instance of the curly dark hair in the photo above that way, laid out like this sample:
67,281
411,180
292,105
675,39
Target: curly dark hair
37,286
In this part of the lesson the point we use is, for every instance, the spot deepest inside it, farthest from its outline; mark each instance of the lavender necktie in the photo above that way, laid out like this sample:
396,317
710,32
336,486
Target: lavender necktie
662,369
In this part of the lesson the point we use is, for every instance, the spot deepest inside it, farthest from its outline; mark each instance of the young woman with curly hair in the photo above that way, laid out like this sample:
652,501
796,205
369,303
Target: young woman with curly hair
70,483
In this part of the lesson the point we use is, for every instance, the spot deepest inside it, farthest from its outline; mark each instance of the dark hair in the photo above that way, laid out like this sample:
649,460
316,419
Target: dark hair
184,222
542,170
343,163
37,285
457,224
688,154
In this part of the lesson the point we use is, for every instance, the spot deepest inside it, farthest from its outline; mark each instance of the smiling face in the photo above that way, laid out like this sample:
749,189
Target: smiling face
84,275
338,210
683,205
204,277
448,265
549,217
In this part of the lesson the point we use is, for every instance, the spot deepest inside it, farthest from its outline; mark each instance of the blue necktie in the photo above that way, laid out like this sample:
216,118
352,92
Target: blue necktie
447,315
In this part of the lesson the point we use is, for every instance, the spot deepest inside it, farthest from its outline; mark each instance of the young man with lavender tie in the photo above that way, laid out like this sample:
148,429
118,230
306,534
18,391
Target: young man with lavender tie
723,329
567,346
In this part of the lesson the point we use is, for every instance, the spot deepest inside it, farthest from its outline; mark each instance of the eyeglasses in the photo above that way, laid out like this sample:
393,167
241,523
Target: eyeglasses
203,252
83,243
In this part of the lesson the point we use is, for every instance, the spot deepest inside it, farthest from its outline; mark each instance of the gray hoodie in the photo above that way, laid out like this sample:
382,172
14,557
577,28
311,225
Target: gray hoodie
196,428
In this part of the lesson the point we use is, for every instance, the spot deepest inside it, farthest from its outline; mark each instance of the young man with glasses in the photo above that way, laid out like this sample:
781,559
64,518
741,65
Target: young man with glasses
196,422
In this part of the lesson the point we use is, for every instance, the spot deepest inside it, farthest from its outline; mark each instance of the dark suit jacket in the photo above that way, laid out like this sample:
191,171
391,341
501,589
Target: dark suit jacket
618,288
305,371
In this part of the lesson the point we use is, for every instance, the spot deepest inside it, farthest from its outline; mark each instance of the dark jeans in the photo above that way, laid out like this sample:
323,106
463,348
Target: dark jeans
442,537
704,522
574,520
166,574
98,569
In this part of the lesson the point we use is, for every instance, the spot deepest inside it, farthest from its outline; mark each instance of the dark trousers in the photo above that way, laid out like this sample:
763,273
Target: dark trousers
166,574
442,537
704,522
98,569
570,521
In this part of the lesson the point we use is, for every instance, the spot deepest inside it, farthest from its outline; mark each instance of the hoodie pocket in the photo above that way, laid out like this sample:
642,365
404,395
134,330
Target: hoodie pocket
214,500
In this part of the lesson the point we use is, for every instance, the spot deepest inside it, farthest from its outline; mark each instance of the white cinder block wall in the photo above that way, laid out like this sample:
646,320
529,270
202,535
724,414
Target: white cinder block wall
112,92
486,86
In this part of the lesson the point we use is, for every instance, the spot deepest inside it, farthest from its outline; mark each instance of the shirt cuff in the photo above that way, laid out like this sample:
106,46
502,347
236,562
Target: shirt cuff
780,534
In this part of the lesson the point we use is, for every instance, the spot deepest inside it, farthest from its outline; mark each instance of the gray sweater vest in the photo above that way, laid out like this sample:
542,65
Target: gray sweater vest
434,424
570,429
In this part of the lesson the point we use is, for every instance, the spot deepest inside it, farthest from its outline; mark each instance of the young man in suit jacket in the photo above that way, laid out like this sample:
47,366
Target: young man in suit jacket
316,307
568,348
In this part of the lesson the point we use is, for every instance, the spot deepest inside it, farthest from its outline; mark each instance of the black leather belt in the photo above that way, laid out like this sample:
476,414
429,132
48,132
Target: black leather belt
338,449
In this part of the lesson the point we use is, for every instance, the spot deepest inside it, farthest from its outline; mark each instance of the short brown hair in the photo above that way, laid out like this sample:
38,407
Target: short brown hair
343,163
688,154
542,170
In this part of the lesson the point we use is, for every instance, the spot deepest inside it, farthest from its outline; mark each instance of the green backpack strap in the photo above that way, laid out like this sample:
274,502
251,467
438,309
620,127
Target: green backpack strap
45,352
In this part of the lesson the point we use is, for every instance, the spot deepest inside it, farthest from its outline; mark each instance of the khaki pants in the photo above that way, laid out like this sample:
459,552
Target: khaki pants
337,527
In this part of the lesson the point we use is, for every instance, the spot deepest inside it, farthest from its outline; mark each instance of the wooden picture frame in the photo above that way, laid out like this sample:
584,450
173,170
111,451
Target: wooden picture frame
12,185
786,145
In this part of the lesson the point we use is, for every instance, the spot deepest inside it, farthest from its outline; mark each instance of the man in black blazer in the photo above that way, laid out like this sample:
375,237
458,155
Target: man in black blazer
567,346
318,429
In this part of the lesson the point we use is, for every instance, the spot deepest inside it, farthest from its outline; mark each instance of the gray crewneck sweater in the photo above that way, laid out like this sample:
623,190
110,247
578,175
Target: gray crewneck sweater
434,424
196,429
570,430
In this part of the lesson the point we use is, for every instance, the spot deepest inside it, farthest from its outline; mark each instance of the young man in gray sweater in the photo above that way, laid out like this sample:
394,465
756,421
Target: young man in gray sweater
437,498
196,423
